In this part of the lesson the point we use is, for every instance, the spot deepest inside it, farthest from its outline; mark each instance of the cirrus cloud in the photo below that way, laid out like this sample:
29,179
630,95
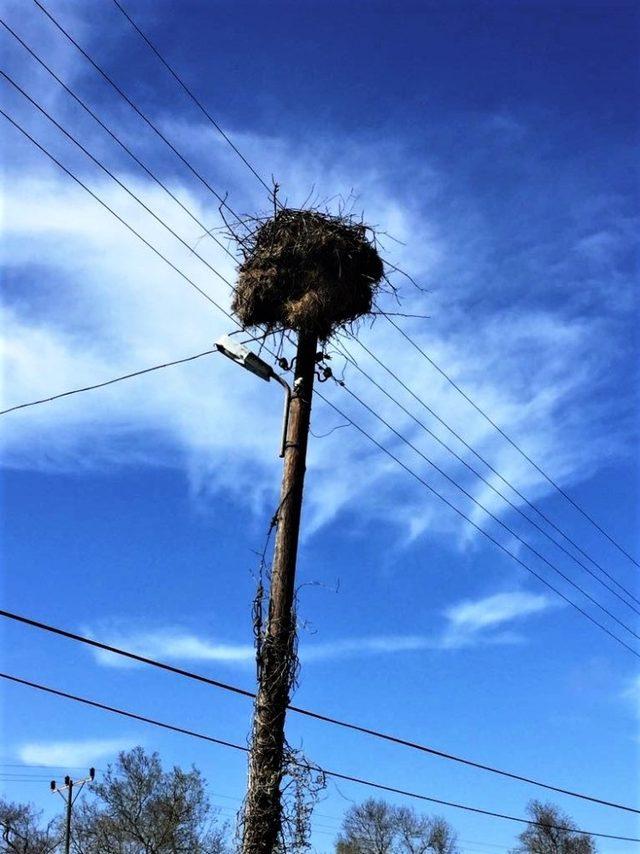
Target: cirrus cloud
469,623
72,753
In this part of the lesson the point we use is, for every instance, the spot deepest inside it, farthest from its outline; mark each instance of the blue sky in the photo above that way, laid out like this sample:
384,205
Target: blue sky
494,144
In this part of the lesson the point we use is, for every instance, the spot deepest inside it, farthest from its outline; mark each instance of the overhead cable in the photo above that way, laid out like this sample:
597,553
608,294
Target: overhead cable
483,460
206,230
234,689
107,382
108,172
137,110
210,299
492,515
321,770
113,213
475,525
191,95
514,444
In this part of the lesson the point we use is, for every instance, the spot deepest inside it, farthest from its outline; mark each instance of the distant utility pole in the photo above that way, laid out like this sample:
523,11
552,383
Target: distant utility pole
262,820
70,800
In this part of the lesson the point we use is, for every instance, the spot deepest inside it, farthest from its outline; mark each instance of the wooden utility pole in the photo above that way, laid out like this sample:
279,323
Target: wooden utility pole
70,801
263,810
67,836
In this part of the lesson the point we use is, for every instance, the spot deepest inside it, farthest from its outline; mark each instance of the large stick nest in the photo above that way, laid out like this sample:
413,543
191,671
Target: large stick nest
307,271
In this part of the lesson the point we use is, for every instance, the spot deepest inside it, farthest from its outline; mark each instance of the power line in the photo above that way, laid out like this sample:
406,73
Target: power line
190,93
210,299
107,382
178,671
36,765
432,362
26,777
483,460
329,773
485,480
206,296
517,447
317,828
155,368
336,828
111,211
492,515
206,231
153,214
117,711
123,186
468,519
39,777
108,172
390,320
137,110
221,131
396,791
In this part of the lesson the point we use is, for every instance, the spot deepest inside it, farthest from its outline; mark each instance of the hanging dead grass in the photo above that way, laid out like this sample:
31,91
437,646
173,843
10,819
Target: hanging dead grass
307,271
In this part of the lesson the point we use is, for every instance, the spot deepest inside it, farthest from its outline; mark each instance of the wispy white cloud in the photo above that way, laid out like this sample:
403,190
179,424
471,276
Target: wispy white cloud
631,694
98,303
486,621
467,623
364,646
172,645
71,753
476,621
116,308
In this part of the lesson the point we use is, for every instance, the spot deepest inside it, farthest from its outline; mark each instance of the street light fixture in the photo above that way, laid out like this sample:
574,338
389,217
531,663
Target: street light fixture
242,356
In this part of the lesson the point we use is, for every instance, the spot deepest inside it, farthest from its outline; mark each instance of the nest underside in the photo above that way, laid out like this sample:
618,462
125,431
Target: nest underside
307,271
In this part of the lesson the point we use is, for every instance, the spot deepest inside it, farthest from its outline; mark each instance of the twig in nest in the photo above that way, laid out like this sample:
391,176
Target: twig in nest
380,312
406,275
308,199
276,187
